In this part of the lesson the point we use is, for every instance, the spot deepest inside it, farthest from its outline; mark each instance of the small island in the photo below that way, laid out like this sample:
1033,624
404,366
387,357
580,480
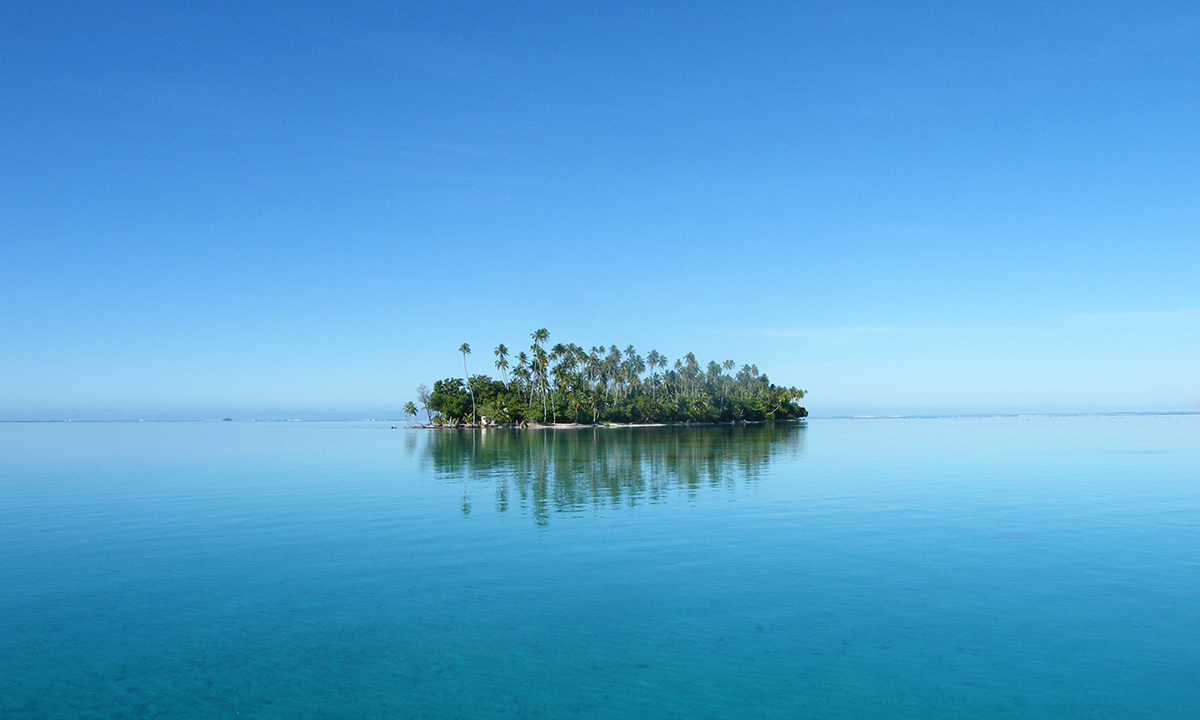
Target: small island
570,385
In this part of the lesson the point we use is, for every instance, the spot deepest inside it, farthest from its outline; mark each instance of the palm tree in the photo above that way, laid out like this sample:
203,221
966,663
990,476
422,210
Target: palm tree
541,361
637,366
652,360
521,373
502,361
725,381
539,337
465,349
612,367
410,410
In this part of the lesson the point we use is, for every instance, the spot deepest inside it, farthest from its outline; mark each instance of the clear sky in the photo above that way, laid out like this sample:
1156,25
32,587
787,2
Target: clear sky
303,209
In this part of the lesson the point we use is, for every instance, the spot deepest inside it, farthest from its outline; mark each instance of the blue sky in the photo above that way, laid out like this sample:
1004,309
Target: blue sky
304,209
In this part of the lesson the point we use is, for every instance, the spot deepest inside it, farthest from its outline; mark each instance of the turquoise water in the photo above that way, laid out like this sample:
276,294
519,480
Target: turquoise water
1023,567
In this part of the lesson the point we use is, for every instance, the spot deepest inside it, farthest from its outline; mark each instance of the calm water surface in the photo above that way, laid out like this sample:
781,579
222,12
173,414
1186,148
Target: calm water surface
1040,567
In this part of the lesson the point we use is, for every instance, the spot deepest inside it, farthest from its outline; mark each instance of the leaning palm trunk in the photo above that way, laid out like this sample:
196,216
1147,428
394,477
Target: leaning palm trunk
466,350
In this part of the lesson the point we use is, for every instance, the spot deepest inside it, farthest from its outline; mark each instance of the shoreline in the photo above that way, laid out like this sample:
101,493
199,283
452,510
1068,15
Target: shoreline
582,426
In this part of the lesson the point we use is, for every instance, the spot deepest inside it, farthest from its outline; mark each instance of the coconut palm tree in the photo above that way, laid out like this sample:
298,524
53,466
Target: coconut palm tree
521,371
539,337
465,349
726,381
410,410
502,361
541,362
652,361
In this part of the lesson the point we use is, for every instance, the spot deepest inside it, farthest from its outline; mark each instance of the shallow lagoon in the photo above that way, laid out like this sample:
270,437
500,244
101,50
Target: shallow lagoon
1031,567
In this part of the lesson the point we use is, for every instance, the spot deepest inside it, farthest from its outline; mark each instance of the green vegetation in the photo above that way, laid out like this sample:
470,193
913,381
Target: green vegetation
410,410
569,384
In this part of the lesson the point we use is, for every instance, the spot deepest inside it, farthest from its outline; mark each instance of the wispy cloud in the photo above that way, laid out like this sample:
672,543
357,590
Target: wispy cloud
1135,317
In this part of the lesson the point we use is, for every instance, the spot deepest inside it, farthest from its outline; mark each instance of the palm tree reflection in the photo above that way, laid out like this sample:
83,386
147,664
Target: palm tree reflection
541,472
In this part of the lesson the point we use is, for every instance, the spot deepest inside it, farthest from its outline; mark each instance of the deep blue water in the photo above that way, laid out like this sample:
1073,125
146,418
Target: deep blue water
1013,567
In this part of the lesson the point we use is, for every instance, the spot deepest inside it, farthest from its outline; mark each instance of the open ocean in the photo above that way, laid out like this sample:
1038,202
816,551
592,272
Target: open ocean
1001,567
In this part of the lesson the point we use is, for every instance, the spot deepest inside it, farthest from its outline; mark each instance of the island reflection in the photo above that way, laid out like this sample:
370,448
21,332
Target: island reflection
545,471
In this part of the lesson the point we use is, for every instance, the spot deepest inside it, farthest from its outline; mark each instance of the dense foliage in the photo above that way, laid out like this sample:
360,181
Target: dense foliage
570,384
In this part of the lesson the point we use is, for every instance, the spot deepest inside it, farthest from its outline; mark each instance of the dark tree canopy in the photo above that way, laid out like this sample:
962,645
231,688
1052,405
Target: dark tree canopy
450,399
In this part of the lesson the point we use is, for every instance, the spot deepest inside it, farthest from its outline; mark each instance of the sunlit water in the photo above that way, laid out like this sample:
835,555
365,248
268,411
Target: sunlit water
1040,567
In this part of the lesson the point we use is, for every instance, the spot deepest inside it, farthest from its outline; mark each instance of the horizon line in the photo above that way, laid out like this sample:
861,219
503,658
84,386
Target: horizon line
845,416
